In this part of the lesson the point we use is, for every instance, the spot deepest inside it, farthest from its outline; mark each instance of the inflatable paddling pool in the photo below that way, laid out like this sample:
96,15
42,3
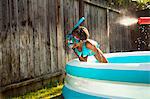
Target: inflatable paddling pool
126,76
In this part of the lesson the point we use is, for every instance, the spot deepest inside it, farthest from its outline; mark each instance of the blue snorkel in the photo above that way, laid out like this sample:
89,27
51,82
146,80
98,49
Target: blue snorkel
69,36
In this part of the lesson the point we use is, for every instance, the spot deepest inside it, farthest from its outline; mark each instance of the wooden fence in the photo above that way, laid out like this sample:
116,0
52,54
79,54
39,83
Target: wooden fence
103,25
31,40
32,35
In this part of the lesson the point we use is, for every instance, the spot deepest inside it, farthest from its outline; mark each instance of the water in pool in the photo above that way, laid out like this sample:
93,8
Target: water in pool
130,59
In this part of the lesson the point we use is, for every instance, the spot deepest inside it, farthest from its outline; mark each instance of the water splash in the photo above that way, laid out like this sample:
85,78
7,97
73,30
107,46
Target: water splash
127,21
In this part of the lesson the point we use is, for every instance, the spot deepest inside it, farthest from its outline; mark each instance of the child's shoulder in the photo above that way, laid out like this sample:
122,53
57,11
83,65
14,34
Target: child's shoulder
91,42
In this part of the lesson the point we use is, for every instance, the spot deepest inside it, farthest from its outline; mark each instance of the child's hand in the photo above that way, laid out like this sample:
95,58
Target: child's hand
84,59
69,43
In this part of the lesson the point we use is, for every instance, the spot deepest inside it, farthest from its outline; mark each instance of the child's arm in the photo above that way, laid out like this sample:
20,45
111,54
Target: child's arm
98,53
103,59
80,57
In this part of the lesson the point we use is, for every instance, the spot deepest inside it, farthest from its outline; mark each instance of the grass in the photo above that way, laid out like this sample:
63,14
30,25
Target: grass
45,93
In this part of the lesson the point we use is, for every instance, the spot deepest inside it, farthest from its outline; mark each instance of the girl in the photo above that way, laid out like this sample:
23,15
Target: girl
84,47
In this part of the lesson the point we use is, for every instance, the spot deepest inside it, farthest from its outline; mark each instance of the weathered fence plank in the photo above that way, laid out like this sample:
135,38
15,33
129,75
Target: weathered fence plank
66,25
113,42
108,29
42,27
1,64
60,35
1,22
53,36
6,56
46,68
36,38
48,51
31,59
22,20
15,56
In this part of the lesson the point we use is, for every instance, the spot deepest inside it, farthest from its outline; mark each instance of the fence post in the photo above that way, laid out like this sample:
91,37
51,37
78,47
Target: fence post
60,33
108,29
81,8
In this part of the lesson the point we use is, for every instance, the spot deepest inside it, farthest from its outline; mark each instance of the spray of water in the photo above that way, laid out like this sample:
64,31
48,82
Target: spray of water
127,21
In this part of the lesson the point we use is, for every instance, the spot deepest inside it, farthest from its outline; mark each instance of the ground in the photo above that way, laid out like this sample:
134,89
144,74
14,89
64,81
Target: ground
45,93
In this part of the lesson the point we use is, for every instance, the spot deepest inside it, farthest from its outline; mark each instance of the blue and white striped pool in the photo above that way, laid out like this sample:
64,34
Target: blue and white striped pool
127,75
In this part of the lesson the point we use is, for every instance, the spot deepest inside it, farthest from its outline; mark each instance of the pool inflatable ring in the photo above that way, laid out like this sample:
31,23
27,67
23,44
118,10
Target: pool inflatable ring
127,75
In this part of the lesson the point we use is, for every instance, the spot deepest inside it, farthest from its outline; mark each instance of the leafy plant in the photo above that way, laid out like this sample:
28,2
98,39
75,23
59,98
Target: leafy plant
140,4
45,93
